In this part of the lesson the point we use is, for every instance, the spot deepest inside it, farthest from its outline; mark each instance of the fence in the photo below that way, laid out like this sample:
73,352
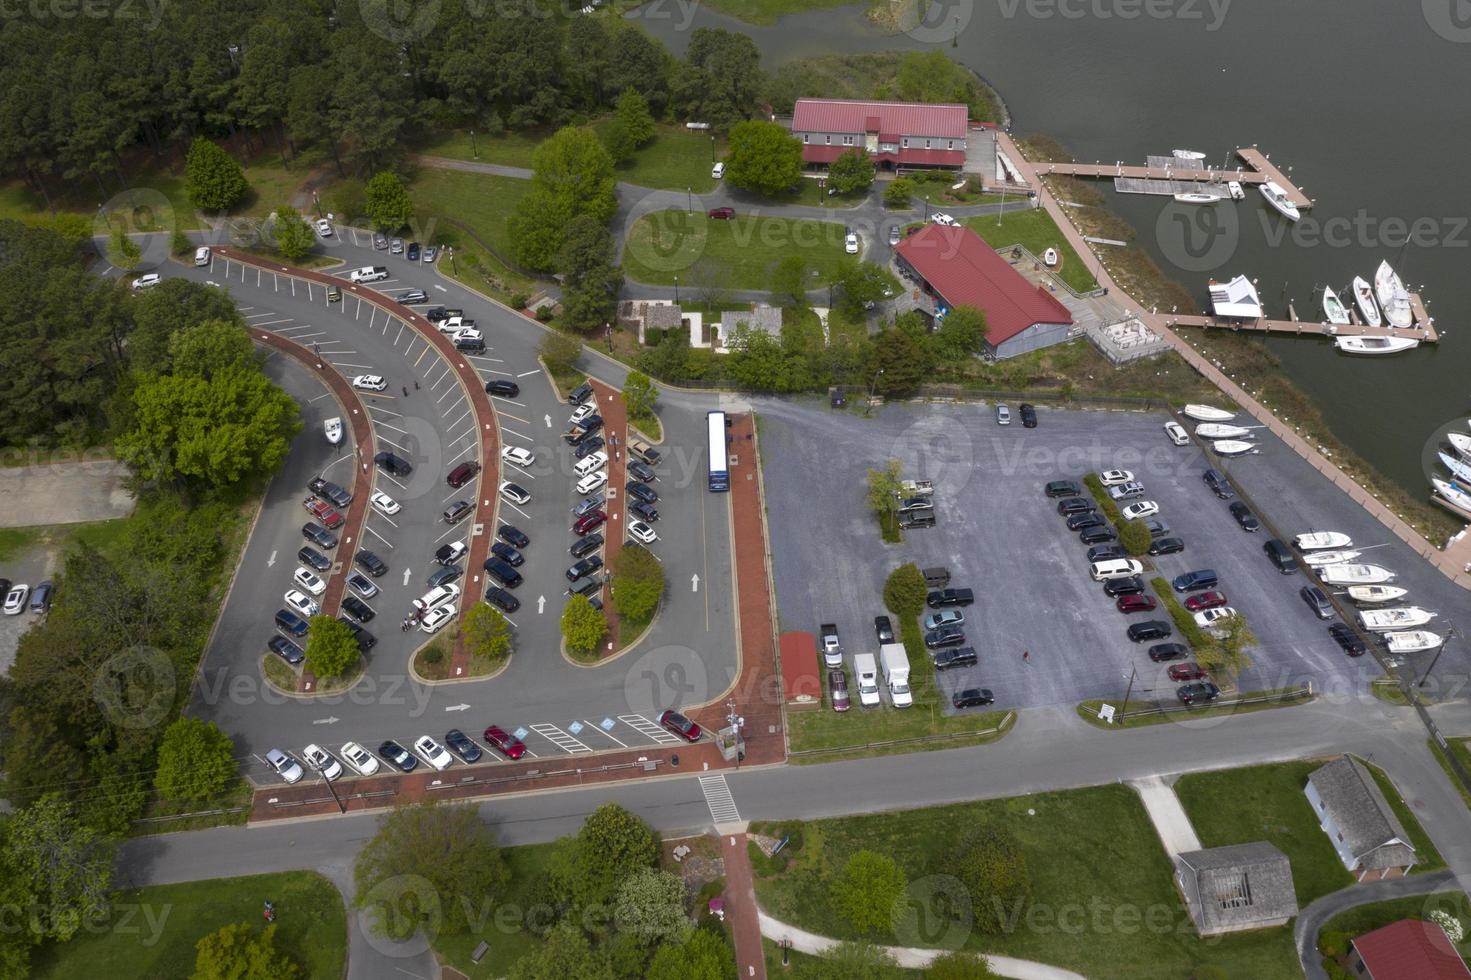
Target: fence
1007,721
1150,710
1015,254
1121,402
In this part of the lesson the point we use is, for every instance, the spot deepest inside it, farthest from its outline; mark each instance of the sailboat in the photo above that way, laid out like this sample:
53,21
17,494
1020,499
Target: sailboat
1461,470
1322,539
1371,594
1462,444
1347,574
1412,641
1452,494
1375,345
1208,413
1233,447
1364,299
1215,430
1335,557
1398,618
1393,298
1277,198
1333,307
1198,197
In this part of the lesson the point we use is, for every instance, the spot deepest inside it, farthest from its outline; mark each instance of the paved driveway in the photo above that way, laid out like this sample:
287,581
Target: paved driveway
64,493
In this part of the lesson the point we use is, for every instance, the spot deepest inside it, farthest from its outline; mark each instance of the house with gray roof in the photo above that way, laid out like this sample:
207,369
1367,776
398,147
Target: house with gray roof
1352,810
1241,886
766,319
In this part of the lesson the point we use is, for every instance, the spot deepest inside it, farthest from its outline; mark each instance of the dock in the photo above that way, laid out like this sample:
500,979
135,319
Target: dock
1423,328
1254,168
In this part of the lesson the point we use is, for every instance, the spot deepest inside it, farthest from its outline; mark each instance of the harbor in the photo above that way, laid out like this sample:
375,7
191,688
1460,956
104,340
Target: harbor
1170,175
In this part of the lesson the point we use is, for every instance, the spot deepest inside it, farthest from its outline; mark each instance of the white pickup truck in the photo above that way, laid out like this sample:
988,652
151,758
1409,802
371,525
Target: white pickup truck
916,488
333,430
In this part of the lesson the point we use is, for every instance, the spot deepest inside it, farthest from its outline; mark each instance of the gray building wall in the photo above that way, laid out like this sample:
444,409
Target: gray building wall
1035,337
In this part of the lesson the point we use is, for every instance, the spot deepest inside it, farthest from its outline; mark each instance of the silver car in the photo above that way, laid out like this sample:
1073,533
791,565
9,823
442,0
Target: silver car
589,504
947,617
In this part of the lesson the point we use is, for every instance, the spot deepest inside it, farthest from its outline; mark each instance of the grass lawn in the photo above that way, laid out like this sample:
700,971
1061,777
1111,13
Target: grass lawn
153,930
768,11
1103,900
105,536
1367,918
482,203
508,938
1035,231
1430,859
663,246
1461,749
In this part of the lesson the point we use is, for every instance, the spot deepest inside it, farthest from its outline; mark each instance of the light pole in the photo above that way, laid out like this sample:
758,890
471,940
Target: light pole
474,145
317,203
689,200
453,270
872,388
1449,634
676,290
712,147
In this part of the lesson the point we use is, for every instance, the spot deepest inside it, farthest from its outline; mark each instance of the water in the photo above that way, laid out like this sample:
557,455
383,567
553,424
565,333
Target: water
1359,97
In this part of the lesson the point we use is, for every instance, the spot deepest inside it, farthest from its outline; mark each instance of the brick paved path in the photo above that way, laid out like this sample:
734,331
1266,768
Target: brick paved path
741,911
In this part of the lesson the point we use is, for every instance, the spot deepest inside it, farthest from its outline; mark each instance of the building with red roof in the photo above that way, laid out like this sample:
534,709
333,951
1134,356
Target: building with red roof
1406,950
954,267
897,135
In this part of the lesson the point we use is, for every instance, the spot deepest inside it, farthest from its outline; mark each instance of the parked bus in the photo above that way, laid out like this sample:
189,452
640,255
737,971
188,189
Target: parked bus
719,461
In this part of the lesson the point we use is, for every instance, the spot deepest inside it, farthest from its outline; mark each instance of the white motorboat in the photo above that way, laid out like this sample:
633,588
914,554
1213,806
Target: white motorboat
1369,595
1234,188
1233,447
1335,557
1237,300
1412,641
1393,298
1364,300
1277,197
1333,307
1215,430
1398,618
1194,156
1376,345
1049,257
1461,470
1198,197
1315,540
1350,574
1462,444
1457,496
332,428
1207,413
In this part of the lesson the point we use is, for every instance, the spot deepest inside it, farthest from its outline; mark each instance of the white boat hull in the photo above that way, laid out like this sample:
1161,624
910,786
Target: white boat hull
1276,196
1364,300
1188,155
1333,307
1461,470
1215,430
1376,345
1233,447
1412,641
1393,298
1350,574
1197,198
1399,618
1234,188
1207,413
1050,257
1453,494
1317,558
1375,594
1462,444
1317,540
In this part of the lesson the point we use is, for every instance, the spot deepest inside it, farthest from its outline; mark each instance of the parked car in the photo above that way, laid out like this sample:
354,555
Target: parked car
362,585
514,493
644,492
431,252
1136,603
1062,488
370,382
1105,552
324,227
1213,620
1139,510
309,582
302,604
837,689
1205,600
286,650
284,766
517,455
501,599
1187,672
1245,517
313,558
357,608
1086,519
513,535
1003,415
326,489
723,214
680,725
586,447
505,389
1113,478
1202,578
949,636
1150,629
322,761
462,745
380,242
972,697
1161,652
1126,585
644,510
458,511
1028,414
413,252
589,522
1177,434
1345,637
588,504
370,563
940,598
950,617
15,599
1166,546
1218,484
397,755
506,553
504,742
462,474
318,535
584,568
641,471
384,504
442,595
883,629
583,547
1156,527
955,657
1198,693
1280,556
359,758
641,532
592,481
323,512
147,281
1069,506
1097,535
41,597
413,296
393,464
1126,491
718,171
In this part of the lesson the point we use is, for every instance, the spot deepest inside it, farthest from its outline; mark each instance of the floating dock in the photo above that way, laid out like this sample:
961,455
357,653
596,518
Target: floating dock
1177,175
1422,330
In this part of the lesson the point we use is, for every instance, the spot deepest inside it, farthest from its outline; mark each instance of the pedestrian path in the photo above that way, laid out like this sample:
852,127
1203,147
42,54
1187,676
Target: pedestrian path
741,910
717,797
1167,815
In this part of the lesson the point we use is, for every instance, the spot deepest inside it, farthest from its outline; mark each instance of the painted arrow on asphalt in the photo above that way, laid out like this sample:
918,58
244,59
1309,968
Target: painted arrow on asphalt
271,560
457,707
549,420
325,721
694,583
406,576
541,604
440,288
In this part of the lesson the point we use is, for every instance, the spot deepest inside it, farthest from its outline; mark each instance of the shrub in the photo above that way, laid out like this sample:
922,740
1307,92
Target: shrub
898,193
1134,536
1334,944
1101,497
519,300
905,591
545,314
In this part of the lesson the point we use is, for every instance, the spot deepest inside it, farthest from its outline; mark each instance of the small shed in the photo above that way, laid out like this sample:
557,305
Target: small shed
801,682
1353,812
1240,886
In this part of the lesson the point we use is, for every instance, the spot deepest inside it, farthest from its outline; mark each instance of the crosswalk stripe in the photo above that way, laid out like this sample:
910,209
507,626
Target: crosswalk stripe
718,799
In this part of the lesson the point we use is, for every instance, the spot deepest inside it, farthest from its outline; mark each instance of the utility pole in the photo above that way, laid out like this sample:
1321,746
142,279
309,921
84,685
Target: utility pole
1450,634
474,145
1133,671
737,723
872,388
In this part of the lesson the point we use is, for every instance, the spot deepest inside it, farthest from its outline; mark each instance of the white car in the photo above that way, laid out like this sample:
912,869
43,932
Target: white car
941,218
322,761
360,759
302,603
718,171
850,244
596,461
641,532
468,333
432,752
582,412
324,227
517,455
1212,620
201,255
514,493
1177,434
285,766
384,504
309,581
435,619
369,382
15,600
454,324
1140,510
592,481
1112,478
437,596
147,282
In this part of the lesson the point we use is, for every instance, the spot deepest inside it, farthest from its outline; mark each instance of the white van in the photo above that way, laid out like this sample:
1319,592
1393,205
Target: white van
868,679
596,461
201,255
369,273
1115,568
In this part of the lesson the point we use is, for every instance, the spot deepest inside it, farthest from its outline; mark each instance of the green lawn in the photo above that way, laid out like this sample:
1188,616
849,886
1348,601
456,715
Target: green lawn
1177,713
1461,748
153,931
481,202
1035,231
768,11
102,535
508,938
1429,857
1103,899
1367,918
665,246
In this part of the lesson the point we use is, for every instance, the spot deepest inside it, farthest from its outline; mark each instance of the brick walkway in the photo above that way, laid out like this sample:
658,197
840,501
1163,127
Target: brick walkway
742,913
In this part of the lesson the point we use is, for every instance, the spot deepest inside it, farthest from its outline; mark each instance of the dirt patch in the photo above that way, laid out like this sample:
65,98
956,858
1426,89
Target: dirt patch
65,493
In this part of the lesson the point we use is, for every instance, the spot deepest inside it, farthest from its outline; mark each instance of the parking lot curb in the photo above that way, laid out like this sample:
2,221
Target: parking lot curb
306,696
442,682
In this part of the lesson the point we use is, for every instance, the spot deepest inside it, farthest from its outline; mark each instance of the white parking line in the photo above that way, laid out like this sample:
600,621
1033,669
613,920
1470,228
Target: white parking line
560,739
380,409
604,731
518,435
335,353
649,729
463,452
459,420
452,530
267,323
401,328
375,512
365,367
506,464
378,536
254,316
527,374
447,392
322,395
482,357
372,316
494,371
394,445
508,402
515,508
392,480
391,428
516,417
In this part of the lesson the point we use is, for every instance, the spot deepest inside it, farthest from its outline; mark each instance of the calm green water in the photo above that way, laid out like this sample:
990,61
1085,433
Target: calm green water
1363,99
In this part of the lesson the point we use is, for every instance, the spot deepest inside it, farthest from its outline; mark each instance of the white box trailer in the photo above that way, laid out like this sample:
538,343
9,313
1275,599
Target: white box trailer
896,673
868,679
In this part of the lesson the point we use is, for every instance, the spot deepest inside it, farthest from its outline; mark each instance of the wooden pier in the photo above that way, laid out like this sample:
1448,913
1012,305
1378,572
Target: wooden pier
1423,329
1255,169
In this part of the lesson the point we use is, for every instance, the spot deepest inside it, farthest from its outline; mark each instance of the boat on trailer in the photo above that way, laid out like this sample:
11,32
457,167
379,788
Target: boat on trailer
1398,618
1216,430
1049,257
1316,540
1351,574
1412,641
1208,413
1233,447
1370,595
1335,557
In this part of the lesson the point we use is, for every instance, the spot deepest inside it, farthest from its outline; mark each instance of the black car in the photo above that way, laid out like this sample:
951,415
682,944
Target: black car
586,447
583,547
1280,556
370,563
1097,534
502,573
497,596
458,511
393,464
585,567
1069,506
508,554
1079,522
511,534
579,394
940,598
957,657
1062,488
366,640
318,535
328,490
1150,629
883,629
1197,692
443,576
506,389
396,755
973,697
1345,637
1161,652
462,745
1156,527
448,554
357,608
286,650
1245,517
1028,414
1317,601
314,559
644,492
644,510
640,471
945,636
1219,485
1127,585
1166,546
413,296
1201,578
1105,552
413,253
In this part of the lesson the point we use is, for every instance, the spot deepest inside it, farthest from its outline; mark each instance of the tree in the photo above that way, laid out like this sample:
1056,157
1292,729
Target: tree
959,965
67,864
866,890
294,237
991,865
618,141
851,961
388,204
959,334
582,626
429,860
884,490
196,761
851,172
650,907
1134,536
331,648
566,954
238,952
591,278
212,177
611,846
487,633
632,110
702,956
903,360
212,348
789,280
638,583
763,157
123,251
860,284
165,310
572,175
639,394
559,353
898,193
905,591
1236,637
721,79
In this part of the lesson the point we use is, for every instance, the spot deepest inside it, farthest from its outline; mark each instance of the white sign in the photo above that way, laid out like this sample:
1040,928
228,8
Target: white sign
1106,713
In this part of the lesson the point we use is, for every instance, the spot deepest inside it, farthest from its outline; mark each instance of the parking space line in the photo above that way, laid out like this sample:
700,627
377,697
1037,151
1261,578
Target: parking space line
318,397
516,417
560,739
452,495
401,327
452,530
648,729
459,420
392,428
392,480
393,444
253,315
375,512
427,347
527,374
372,317
494,371
267,323
604,731
462,452
515,508
513,466
482,357
507,401
517,434
357,311
440,378
365,367
384,411
377,535
447,392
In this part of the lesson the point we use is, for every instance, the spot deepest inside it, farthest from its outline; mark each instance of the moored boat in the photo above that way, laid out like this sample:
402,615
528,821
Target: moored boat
1050,257
1207,413
1315,540
1412,641
1333,307
1370,595
1460,469
1461,443
1198,197
1375,345
1393,298
1351,574
1216,430
1398,618
1277,197
1335,557
1233,447
1193,155
1234,188
1452,493
1364,300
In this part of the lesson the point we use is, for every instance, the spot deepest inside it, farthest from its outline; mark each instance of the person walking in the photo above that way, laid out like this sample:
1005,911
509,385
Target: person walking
1026,656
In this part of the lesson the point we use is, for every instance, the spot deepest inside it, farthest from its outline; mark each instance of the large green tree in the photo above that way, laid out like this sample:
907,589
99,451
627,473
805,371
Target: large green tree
572,175
866,890
212,348
591,278
632,110
638,583
721,79
639,394
763,157
905,591
487,632
171,308
900,363
565,954
613,844
388,203
851,172
704,955
213,178
68,866
959,335
583,627
196,761
331,648
650,906
294,237
241,952
859,284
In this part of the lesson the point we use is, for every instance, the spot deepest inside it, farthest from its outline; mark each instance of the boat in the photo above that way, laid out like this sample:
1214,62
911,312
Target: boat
1457,496
1393,298
1412,641
1349,574
1198,197
1398,618
1194,155
1462,444
1233,447
1461,470
1371,594
1233,187
1333,307
1375,345
1050,257
332,428
1236,300
1364,299
1207,413
1315,540
1277,198
1215,430
1335,557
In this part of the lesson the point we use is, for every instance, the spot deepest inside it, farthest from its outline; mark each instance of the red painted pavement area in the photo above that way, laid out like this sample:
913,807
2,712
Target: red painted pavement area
741,909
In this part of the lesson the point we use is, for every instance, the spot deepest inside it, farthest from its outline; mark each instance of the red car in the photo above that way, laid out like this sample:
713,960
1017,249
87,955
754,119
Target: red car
1187,672
505,743
724,214
587,522
681,726
323,512
1205,600
1136,603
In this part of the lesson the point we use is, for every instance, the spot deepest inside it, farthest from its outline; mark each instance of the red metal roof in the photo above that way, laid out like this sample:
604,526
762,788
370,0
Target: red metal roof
910,157
1410,950
800,679
965,271
907,118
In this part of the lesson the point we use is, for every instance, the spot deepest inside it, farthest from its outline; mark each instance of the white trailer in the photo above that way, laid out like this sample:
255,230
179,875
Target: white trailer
868,679
896,673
